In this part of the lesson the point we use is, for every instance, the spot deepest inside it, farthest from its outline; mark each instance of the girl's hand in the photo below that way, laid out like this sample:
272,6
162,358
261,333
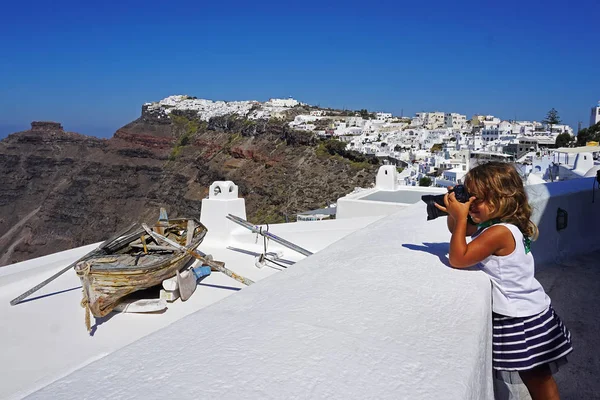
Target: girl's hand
445,201
459,211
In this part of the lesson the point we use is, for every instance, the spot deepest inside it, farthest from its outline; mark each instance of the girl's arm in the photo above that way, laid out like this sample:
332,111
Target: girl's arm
497,240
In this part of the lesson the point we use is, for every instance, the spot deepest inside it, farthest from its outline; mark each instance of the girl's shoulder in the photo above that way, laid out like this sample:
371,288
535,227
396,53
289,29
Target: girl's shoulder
498,228
500,237
512,228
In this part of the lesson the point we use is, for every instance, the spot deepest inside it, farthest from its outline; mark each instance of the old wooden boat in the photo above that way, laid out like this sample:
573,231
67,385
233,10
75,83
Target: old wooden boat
136,261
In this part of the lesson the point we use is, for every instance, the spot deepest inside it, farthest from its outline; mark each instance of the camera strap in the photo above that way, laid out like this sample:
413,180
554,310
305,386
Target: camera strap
489,223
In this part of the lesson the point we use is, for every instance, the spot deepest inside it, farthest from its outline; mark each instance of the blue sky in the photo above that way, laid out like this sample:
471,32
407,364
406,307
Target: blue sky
91,67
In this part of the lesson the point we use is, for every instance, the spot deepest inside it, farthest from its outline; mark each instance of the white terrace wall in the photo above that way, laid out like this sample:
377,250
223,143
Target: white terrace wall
582,232
378,314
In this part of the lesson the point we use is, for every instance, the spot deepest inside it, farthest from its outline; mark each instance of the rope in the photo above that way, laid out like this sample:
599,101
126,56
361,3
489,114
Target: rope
85,304
265,245
276,263
83,269
265,239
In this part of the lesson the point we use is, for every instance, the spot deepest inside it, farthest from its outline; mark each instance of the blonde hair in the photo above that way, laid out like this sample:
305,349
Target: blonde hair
501,187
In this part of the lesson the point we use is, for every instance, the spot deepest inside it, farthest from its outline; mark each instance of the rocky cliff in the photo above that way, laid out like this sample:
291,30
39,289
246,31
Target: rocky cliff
62,189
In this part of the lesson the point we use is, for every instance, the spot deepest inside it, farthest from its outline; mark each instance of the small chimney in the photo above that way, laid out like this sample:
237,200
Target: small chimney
46,126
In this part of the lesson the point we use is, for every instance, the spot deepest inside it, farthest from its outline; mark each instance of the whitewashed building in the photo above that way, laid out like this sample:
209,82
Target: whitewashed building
381,116
455,121
355,121
451,177
525,127
283,102
595,114
578,162
494,129
431,120
559,128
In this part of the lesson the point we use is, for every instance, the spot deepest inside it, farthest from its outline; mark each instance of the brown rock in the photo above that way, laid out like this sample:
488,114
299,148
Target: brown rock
62,189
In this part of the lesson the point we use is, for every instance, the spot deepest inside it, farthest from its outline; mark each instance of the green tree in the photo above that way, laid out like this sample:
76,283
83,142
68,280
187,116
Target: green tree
589,134
552,118
563,140
335,146
425,181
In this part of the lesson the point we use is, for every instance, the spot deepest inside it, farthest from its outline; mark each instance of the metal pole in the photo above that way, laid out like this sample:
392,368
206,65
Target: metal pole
275,238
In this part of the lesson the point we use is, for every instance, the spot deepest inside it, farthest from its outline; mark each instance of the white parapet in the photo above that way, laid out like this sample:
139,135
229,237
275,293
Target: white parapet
222,200
387,178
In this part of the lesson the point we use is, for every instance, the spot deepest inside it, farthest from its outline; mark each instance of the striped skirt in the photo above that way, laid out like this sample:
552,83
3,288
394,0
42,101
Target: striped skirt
524,343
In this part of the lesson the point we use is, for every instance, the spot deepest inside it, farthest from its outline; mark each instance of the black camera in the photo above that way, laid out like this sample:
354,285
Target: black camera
432,211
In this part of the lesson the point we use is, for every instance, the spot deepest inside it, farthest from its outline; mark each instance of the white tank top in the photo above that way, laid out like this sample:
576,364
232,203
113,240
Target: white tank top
515,291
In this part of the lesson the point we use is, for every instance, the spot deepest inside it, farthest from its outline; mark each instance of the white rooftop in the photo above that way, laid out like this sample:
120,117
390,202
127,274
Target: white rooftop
44,337
364,318
580,149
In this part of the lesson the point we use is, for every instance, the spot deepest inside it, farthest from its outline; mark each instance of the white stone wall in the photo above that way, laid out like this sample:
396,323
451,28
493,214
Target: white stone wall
581,235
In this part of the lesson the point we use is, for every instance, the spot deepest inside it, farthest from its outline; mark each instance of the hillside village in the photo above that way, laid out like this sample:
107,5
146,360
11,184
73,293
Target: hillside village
431,148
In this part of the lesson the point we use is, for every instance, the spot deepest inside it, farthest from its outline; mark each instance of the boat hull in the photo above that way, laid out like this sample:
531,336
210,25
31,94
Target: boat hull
108,278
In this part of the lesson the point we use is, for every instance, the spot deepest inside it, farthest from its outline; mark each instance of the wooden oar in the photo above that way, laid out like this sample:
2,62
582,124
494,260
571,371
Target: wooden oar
37,287
219,266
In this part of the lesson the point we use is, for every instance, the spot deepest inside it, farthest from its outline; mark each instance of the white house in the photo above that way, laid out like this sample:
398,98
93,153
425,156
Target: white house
381,116
578,162
559,128
416,122
282,102
595,114
524,127
355,121
452,177
493,130
431,120
455,121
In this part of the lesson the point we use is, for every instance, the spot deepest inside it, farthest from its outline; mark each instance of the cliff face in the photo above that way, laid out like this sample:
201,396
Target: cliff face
62,189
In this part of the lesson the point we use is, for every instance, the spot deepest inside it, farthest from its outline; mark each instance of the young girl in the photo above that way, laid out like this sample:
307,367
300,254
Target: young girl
528,337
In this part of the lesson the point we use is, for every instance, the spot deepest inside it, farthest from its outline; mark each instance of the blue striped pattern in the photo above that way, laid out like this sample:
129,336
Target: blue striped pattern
523,343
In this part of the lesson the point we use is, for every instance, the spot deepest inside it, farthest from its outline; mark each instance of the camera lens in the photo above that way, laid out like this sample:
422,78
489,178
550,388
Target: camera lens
460,191
432,211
